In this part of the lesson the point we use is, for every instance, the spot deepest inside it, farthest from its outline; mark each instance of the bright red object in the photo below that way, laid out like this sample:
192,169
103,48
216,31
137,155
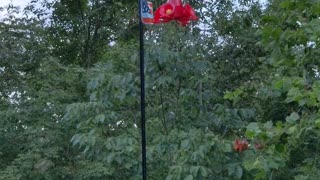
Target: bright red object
240,145
175,10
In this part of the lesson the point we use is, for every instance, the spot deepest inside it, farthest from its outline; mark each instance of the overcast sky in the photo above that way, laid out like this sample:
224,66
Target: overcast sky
23,3
20,3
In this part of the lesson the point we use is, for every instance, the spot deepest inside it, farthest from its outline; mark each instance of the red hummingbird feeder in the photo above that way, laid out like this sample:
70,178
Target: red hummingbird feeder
175,10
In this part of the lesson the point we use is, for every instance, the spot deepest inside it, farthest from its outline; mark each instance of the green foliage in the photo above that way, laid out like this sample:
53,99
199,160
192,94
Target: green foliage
289,140
69,92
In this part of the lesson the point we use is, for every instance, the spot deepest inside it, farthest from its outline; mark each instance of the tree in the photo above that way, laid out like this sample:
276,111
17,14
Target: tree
35,90
185,105
288,34
69,105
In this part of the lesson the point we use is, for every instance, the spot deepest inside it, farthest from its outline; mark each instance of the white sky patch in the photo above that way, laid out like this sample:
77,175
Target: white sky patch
21,3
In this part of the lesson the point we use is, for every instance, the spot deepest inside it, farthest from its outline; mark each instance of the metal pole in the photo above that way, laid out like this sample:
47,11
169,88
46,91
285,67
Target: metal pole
142,96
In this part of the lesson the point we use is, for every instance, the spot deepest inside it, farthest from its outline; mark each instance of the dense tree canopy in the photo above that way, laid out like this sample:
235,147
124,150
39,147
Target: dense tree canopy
235,95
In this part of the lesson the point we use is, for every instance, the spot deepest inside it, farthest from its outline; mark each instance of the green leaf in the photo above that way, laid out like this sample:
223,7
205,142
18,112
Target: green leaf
227,147
292,129
317,122
253,130
189,177
294,94
76,139
250,134
185,144
204,172
169,177
293,117
301,177
248,164
100,118
239,172
194,170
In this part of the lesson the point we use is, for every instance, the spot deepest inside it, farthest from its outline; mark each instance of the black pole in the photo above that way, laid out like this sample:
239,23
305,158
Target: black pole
142,97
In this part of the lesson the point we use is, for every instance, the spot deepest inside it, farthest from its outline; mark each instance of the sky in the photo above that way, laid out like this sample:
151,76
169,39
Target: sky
20,3
23,3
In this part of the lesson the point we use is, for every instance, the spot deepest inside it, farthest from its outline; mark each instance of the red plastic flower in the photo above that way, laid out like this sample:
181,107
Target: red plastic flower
175,10
240,145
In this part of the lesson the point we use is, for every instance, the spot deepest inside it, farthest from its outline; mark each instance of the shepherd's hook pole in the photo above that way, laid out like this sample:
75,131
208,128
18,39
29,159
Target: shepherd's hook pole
142,97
